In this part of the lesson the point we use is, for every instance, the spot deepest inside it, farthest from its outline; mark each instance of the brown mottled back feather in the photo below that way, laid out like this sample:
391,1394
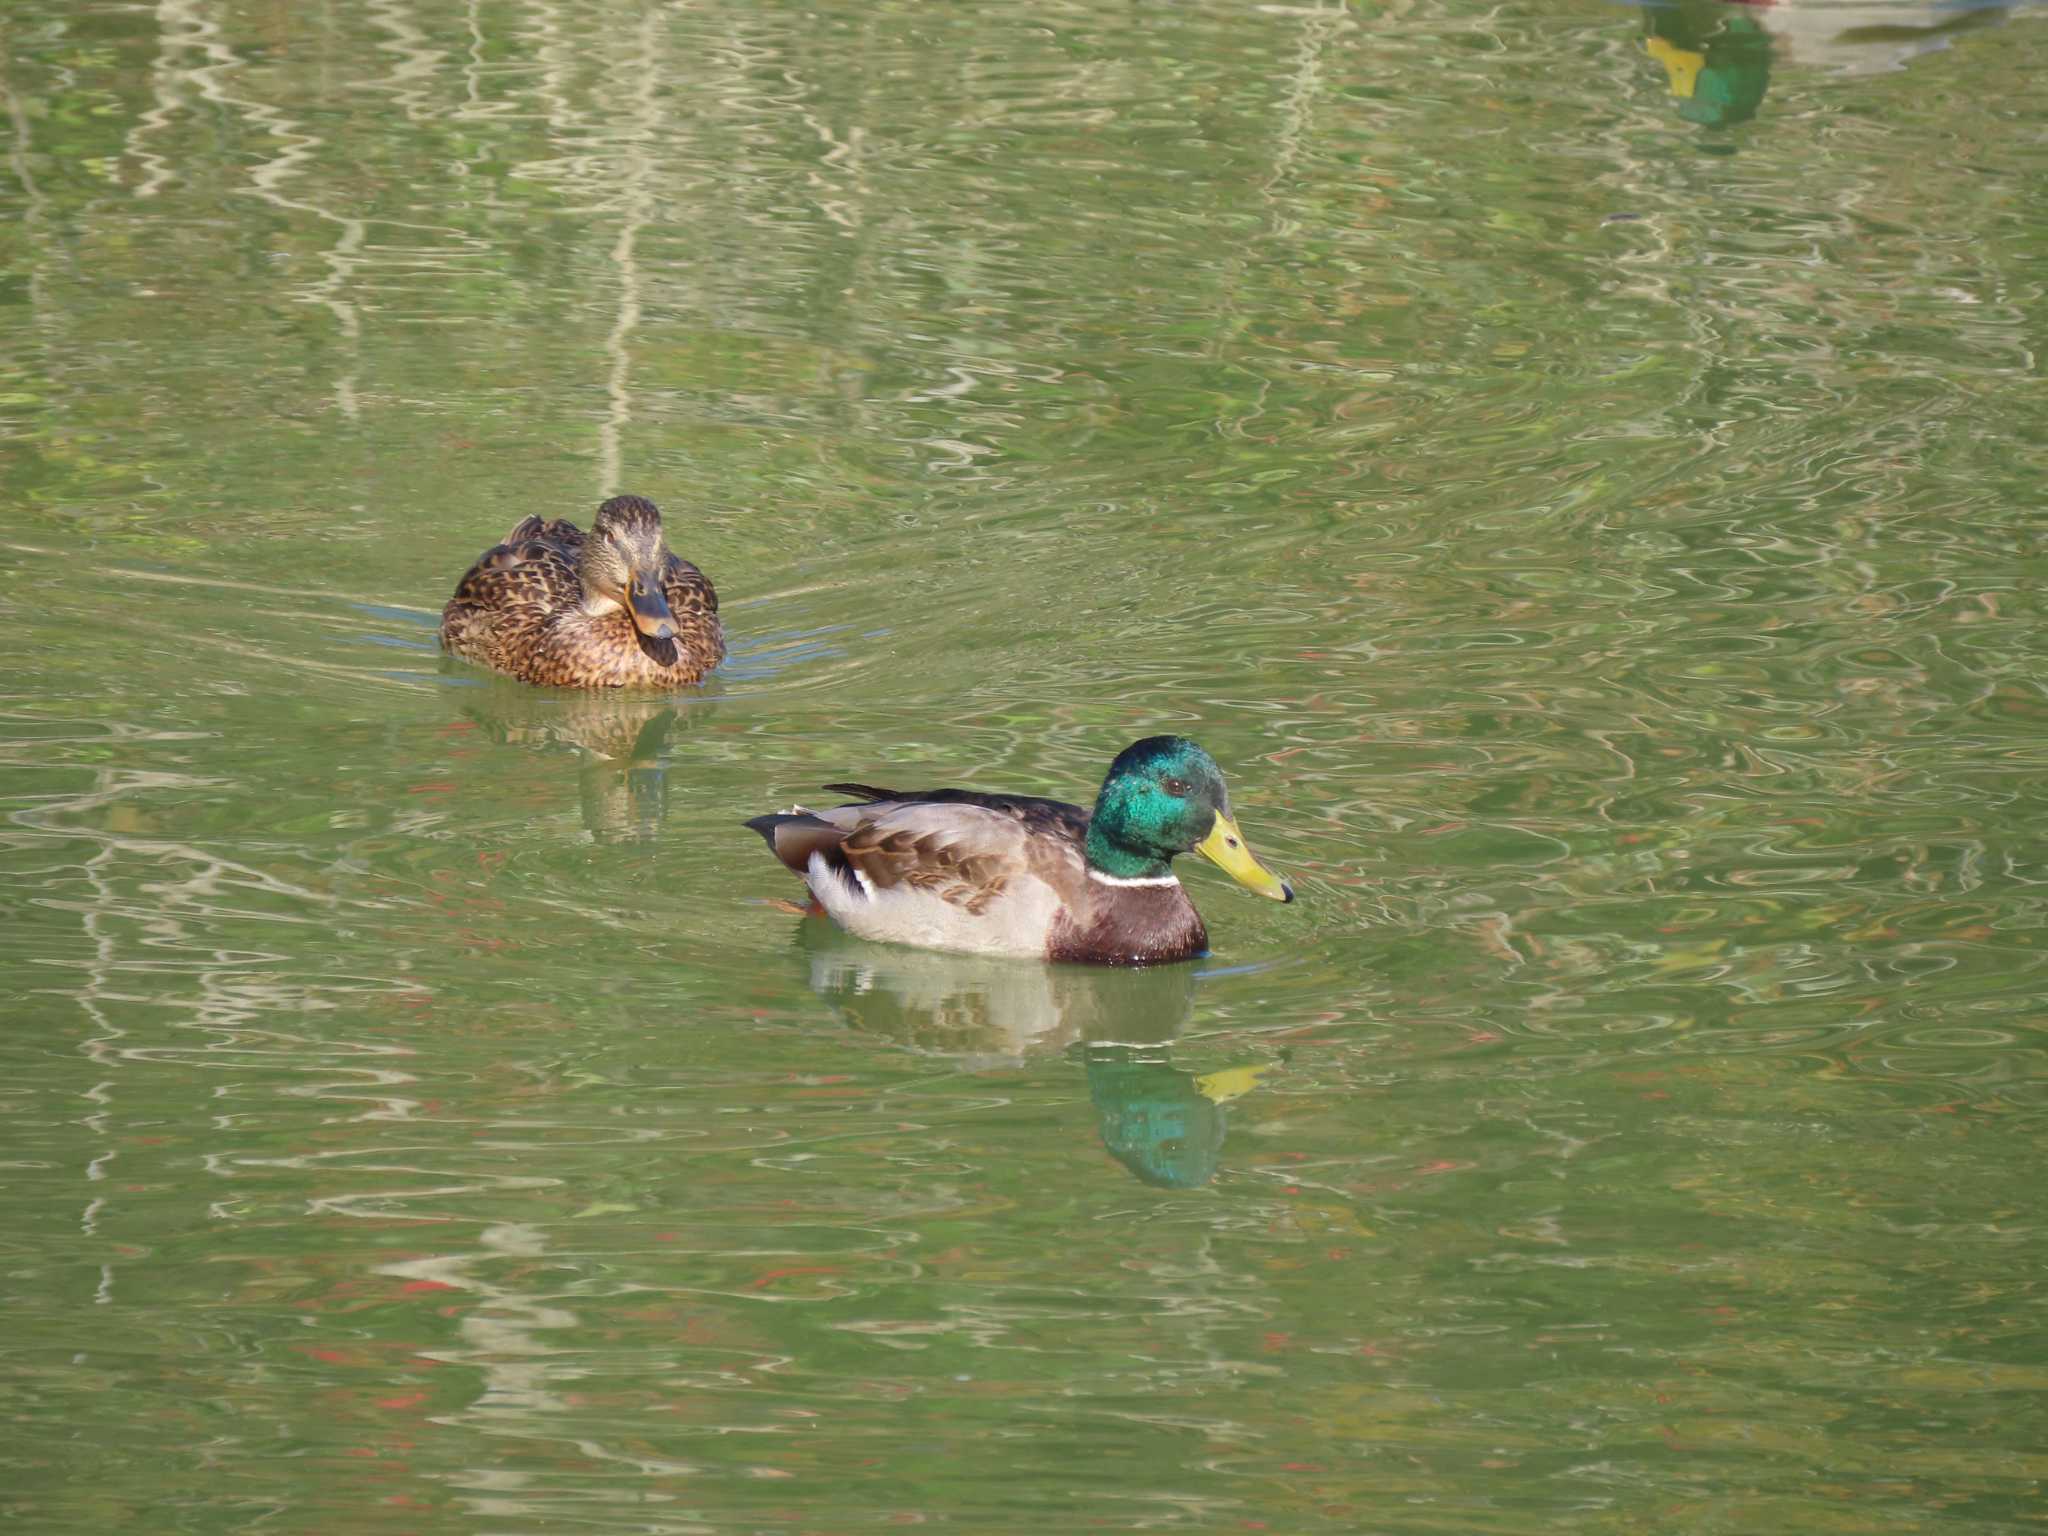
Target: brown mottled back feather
928,860
898,840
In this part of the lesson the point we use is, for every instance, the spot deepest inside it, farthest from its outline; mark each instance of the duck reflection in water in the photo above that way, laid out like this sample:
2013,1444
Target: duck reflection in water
1717,54
1716,58
618,743
1864,37
1163,1123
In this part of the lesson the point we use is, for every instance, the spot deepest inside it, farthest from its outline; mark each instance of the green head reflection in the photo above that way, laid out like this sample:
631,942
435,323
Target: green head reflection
1154,1120
1716,58
1162,1123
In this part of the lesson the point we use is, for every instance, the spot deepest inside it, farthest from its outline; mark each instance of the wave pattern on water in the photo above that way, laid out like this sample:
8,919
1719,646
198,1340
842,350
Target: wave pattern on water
1598,542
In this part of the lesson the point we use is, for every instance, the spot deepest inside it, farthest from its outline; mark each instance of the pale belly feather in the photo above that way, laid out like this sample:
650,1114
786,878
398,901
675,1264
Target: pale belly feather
1015,924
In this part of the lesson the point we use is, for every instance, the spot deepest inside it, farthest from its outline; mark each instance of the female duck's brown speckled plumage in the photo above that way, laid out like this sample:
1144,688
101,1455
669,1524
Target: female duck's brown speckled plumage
1017,875
608,609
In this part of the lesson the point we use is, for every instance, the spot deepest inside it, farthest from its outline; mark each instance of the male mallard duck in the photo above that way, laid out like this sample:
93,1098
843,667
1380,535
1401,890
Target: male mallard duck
608,609
1016,875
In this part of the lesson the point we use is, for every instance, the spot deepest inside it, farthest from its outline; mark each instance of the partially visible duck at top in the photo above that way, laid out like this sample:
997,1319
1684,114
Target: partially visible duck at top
1017,875
608,609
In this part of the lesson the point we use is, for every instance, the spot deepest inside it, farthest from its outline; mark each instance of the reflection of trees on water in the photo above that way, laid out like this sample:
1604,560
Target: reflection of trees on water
247,1110
537,115
1161,1121
523,1377
167,975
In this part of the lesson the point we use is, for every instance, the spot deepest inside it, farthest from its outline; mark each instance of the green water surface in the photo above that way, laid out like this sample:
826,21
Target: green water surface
1577,466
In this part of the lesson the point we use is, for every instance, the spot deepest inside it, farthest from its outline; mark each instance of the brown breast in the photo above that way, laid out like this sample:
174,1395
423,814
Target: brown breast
1129,925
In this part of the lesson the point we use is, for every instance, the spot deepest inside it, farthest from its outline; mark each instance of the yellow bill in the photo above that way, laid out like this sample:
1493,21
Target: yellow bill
1224,847
1681,66
1231,1082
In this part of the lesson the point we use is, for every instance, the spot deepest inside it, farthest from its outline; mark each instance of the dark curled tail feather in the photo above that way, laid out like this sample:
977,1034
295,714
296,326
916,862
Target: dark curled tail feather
794,836
868,792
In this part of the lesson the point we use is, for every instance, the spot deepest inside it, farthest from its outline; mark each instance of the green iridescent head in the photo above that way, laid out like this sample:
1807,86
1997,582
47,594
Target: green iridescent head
1165,796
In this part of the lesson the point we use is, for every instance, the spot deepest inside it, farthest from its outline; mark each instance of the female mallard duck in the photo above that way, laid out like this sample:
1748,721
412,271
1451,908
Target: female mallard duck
608,609
1016,875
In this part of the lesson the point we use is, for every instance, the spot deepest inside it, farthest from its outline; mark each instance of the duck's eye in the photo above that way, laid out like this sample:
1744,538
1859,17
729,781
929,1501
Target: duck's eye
1175,787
